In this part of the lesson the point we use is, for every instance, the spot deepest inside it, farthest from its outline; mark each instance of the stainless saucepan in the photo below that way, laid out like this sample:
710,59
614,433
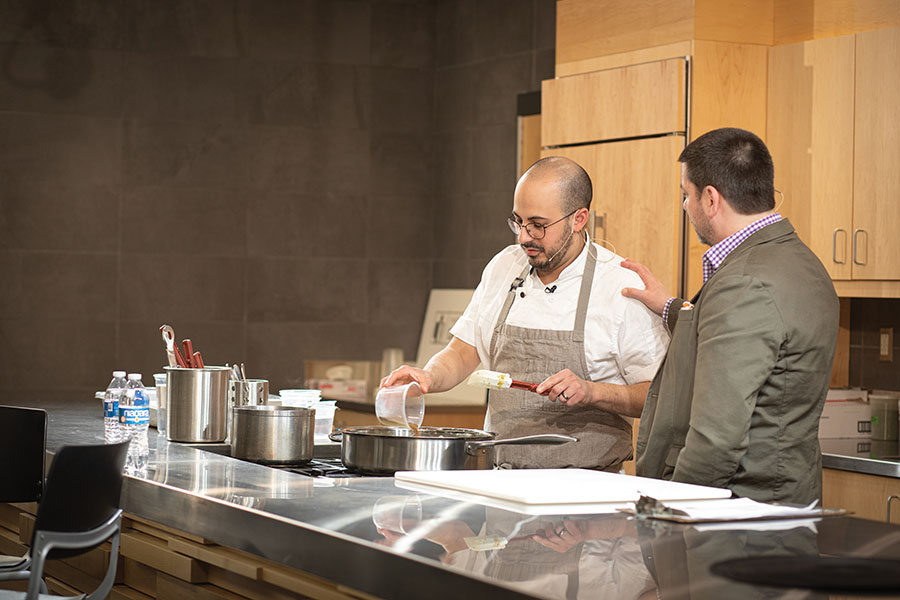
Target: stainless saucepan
384,450
273,434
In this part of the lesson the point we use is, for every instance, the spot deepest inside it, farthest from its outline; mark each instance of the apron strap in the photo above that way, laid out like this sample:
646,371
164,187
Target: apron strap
510,296
584,295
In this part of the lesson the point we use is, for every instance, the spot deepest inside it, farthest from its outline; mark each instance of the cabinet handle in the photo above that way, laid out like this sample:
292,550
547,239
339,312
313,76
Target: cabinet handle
887,514
856,233
834,247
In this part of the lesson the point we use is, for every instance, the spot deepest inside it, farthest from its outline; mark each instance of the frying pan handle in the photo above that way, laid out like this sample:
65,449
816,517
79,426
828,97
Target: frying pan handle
546,438
337,435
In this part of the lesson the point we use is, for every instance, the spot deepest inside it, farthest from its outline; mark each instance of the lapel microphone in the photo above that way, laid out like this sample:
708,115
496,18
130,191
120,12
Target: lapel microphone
550,290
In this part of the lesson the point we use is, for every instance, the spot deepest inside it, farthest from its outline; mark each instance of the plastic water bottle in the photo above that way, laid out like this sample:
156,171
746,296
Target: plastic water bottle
134,418
111,429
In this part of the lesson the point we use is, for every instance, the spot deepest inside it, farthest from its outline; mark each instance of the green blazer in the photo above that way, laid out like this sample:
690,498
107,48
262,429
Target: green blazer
737,399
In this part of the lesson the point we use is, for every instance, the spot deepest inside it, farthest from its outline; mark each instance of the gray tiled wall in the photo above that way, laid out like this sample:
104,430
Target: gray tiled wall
280,180
485,49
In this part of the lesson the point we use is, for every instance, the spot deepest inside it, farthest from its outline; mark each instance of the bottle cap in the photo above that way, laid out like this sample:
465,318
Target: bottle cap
134,376
118,373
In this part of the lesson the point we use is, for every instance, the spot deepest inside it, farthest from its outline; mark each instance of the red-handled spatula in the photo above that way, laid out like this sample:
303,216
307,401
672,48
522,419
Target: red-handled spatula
495,380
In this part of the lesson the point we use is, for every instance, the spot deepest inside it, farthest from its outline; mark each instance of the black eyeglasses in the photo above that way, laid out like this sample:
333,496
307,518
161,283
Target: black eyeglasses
535,230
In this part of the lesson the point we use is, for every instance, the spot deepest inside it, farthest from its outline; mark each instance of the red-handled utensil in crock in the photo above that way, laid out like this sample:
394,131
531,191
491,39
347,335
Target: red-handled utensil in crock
168,336
188,352
174,354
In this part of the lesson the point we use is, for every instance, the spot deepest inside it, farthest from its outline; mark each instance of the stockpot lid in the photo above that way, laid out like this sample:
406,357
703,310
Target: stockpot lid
273,411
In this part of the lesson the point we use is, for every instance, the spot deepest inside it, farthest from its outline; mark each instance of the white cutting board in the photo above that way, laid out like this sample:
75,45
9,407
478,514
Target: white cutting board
560,486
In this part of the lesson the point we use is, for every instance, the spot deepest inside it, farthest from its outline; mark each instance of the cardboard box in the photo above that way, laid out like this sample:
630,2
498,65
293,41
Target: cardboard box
844,394
358,385
846,414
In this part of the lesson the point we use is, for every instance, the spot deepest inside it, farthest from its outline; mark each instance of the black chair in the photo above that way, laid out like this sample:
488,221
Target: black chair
23,448
78,512
23,444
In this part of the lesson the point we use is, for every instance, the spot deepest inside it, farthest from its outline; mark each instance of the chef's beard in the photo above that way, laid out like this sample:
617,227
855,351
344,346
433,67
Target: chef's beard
549,259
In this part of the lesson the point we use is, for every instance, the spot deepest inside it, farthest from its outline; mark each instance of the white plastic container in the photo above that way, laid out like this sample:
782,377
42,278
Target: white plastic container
324,417
885,414
301,398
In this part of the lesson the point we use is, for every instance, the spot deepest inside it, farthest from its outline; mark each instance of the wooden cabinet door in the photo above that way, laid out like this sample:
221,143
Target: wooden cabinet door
866,496
876,182
810,136
639,100
637,197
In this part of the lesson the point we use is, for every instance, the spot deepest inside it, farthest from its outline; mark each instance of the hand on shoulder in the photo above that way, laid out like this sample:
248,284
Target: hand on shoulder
654,295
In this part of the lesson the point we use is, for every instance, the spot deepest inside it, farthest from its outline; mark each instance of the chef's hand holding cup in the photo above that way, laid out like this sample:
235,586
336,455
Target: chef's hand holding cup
407,374
402,405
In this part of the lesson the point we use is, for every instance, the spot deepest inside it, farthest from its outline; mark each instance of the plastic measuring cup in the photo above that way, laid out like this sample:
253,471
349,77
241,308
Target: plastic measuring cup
399,514
400,405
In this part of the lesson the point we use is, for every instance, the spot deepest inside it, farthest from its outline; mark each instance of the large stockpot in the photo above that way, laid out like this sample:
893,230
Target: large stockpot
273,434
384,450
196,411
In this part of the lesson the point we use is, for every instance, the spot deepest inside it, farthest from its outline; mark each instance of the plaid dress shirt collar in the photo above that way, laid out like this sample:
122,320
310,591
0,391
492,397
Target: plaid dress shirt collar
716,255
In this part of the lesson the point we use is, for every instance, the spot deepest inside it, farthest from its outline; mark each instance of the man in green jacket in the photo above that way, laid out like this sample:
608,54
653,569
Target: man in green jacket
737,399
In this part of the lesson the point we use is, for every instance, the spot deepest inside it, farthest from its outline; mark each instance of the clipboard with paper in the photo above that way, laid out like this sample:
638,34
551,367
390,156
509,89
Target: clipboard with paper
724,510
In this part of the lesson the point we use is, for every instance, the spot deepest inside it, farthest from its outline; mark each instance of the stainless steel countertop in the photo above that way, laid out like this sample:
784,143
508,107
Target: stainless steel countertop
871,457
327,528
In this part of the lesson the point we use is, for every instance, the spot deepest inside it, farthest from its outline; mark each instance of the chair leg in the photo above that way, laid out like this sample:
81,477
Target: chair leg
36,584
109,579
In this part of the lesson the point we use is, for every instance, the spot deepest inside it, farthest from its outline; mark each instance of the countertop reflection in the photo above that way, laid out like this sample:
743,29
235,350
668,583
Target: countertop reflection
375,537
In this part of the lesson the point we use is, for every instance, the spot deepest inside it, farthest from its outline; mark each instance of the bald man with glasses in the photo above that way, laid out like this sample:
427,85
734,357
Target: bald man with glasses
549,309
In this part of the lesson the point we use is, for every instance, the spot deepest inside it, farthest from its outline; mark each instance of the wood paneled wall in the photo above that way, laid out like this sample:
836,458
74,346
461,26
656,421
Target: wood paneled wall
588,29
801,20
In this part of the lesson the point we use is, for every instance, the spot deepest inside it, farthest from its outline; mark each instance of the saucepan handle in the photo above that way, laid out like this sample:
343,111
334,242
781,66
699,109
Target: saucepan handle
546,438
337,435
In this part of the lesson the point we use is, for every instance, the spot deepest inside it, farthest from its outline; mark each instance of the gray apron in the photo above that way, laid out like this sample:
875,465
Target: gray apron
532,355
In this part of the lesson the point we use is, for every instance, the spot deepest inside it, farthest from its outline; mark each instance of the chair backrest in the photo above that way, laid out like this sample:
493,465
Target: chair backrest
83,489
23,448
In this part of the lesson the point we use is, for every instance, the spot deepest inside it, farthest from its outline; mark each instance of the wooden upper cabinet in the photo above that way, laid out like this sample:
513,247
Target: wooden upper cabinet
639,100
810,136
636,199
834,133
876,181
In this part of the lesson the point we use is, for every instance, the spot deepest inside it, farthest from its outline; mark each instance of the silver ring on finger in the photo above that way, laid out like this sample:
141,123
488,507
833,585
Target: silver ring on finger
563,394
